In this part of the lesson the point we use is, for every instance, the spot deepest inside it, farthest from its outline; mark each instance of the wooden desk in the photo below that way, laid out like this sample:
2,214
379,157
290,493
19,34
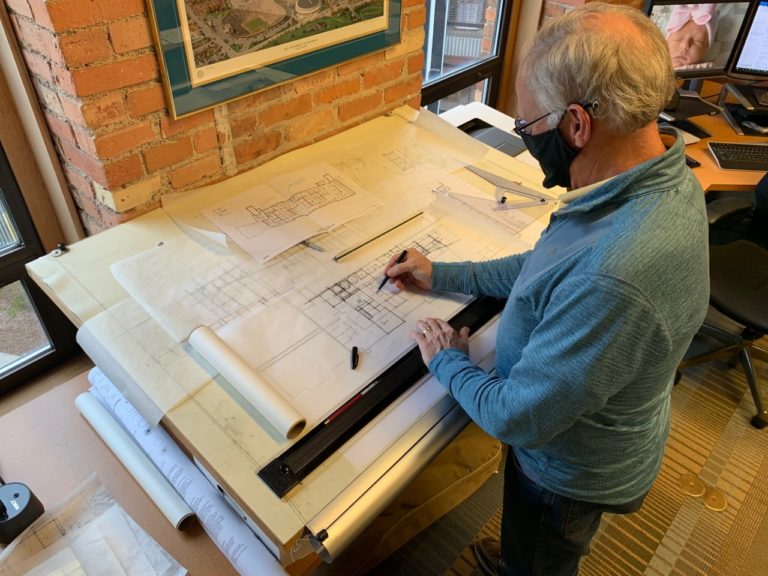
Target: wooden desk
712,177
49,447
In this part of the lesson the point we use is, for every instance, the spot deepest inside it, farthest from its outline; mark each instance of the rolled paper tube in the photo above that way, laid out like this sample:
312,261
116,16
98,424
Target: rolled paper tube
135,461
285,419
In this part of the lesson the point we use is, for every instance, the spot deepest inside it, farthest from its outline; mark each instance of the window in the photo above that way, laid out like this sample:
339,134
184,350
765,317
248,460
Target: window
33,333
464,46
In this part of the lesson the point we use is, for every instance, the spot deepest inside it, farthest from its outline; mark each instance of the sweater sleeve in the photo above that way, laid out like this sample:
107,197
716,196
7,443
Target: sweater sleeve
596,333
490,278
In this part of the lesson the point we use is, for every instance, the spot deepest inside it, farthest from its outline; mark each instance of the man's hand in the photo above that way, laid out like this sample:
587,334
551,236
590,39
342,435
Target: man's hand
434,334
416,270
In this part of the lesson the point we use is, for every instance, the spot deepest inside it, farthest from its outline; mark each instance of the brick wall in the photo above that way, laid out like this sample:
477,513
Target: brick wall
96,74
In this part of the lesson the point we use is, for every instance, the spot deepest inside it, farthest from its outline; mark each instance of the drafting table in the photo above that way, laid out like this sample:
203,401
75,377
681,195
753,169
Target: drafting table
329,507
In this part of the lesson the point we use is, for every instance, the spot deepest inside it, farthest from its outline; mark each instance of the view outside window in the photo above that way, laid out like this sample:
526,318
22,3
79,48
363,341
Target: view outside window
22,336
460,35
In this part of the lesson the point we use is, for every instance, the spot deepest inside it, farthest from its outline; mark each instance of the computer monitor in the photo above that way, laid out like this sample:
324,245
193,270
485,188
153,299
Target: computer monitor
750,59
701,37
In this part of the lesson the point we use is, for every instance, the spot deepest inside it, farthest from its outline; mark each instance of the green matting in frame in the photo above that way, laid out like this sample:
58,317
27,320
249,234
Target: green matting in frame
214,51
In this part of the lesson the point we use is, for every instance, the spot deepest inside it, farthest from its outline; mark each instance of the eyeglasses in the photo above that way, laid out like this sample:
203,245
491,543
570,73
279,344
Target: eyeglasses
524,127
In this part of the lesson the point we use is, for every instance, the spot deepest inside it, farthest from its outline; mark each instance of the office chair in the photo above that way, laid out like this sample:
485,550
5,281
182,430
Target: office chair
738,269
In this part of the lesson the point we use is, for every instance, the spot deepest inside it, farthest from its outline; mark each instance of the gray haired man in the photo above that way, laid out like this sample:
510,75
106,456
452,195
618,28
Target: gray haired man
600,312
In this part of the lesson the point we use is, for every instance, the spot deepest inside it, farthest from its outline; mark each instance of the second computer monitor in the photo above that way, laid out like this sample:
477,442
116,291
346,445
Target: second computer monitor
701,37
751,57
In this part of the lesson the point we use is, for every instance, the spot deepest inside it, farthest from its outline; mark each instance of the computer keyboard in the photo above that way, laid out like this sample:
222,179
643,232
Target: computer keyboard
740,155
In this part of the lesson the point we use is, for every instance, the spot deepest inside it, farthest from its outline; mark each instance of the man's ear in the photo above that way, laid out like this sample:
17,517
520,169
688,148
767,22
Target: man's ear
578,127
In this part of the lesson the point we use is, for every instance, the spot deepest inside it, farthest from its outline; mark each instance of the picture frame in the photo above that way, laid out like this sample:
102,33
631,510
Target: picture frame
215,51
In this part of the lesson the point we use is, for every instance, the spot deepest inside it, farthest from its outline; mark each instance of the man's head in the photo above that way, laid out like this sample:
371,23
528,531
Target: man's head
610,55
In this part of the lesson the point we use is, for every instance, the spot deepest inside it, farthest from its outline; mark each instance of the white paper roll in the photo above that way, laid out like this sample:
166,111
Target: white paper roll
286,420
135,461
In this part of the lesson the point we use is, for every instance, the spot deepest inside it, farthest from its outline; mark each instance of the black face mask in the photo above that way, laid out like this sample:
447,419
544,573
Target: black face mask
553,155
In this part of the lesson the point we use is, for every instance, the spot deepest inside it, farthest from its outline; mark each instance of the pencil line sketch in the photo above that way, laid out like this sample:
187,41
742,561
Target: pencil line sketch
412,158
302,203
238,286
353,309
270,218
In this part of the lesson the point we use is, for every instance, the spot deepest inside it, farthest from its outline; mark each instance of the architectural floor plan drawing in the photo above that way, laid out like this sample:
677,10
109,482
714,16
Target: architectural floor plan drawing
354,311
268,219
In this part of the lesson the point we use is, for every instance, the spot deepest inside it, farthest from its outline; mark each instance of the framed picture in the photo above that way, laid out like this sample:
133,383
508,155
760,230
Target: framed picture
213,51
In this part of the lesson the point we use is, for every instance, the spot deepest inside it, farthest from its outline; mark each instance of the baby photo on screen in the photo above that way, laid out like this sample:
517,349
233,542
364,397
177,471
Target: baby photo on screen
700,36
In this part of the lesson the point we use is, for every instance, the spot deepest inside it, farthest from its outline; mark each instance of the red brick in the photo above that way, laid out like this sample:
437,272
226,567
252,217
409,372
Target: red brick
121,172
253,148
146,100
104,110
242,125
77,181
38,66
84,140
49,99
286,110
403,90
337,90
68,14
172,127
63,79
37,39
60,128
359,107
129,35
256,100
416,18
168,153
85,46
72,109
415,102
415,63
359,64
115,143
20,7
87,164
195,172
40,13
313,127
312,81
382,74
205,140
115,75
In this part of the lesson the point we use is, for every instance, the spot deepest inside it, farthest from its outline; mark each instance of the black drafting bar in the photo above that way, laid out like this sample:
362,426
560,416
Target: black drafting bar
311,450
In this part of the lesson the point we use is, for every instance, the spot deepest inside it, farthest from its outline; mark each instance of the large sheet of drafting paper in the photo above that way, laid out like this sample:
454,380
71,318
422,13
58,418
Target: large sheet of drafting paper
294,317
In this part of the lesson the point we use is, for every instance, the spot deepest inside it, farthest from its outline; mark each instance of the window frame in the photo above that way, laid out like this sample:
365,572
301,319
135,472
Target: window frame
491,69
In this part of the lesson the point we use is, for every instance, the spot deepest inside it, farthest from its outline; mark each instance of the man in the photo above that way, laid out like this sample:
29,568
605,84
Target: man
600,312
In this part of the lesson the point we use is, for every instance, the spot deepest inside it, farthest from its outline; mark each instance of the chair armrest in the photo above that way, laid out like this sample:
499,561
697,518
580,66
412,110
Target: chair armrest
728,206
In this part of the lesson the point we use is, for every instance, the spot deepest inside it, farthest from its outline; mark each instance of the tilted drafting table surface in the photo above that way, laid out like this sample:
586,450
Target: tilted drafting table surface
222,434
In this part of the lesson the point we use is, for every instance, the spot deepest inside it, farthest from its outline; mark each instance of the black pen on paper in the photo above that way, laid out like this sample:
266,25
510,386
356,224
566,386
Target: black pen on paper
400,260
355,358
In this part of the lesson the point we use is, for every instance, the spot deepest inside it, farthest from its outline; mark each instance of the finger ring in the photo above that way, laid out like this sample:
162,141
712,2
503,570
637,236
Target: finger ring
426,330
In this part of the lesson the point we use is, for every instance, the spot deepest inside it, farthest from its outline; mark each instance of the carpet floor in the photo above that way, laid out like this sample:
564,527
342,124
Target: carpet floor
708,510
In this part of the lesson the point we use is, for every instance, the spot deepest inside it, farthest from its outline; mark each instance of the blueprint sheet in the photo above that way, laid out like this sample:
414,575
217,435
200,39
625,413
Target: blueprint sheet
295,317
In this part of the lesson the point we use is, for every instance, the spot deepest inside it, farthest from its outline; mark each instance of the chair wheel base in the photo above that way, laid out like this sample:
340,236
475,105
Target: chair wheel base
760,421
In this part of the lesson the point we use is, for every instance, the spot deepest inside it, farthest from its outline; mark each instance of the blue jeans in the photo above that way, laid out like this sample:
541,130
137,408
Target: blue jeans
543,533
